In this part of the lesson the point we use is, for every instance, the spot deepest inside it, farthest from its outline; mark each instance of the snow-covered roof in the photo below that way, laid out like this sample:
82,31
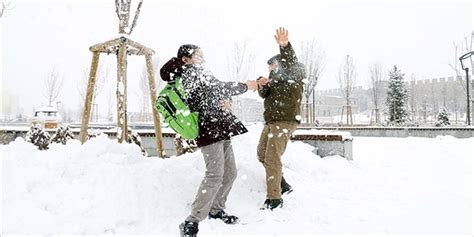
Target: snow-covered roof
47,109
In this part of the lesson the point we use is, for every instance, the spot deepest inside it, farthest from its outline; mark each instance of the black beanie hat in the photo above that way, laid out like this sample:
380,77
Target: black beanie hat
187,50
276,58
171,69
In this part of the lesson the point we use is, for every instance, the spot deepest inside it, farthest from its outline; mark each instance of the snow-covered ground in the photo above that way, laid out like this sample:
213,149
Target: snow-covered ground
393,186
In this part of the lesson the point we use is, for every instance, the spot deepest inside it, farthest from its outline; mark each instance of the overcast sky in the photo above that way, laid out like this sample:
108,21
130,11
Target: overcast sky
37,36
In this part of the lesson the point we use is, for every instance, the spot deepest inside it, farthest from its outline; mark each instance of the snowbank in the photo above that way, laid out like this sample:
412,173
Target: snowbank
393,186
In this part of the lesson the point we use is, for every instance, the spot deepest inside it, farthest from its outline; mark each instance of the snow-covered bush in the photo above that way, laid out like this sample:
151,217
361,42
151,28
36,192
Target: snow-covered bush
62,135
184,146
38,136
93,133
442,119
133,137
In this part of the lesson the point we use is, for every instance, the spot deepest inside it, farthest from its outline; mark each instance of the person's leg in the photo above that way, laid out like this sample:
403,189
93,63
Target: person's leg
278,137
230,173
262,144
212,182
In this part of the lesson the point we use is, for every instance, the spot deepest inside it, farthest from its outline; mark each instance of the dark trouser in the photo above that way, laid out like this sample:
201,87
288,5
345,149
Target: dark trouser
217,183
272,145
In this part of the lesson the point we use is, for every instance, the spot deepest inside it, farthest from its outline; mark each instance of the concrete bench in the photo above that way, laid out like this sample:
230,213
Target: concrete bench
326,143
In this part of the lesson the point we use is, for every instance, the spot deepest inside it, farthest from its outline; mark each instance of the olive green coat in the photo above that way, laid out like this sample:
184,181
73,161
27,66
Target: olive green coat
282,94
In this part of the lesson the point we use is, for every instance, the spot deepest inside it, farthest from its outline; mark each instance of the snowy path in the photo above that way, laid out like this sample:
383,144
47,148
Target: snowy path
393,186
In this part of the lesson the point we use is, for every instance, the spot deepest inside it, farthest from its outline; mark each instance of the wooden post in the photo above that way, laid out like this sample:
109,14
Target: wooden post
377,116
89,94
156,115
122,131
349,115
348,109
314,109
374,116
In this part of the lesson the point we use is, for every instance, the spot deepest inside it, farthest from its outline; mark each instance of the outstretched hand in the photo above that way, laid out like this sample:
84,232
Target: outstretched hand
225,105
252,85
262,81
281,36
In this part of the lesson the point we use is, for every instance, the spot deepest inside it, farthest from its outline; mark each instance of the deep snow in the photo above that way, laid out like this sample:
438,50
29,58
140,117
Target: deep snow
393,186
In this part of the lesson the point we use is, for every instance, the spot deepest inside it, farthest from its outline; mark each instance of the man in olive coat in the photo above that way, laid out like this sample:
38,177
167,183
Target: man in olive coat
282,92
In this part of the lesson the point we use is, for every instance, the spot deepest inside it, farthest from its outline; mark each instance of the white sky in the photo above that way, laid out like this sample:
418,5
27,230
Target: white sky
416,35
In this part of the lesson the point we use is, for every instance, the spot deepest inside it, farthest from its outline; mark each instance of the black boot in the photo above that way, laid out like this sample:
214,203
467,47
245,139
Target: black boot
285,187
188,229
272,204
226,218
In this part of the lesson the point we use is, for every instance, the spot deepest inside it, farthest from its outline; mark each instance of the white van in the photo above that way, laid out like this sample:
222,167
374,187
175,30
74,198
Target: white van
48,117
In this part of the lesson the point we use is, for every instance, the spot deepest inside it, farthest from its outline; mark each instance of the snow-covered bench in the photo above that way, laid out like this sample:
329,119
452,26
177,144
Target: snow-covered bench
326,143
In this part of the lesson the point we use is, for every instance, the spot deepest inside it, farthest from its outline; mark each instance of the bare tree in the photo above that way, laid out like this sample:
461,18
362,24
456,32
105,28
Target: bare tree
110,102
434,95
102,75
412,98
145,90
54,84
376,87
459,49
313,57
4,6
240,62
122,8
347,79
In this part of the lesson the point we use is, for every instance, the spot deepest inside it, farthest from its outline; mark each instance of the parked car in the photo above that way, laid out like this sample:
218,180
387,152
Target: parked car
48,117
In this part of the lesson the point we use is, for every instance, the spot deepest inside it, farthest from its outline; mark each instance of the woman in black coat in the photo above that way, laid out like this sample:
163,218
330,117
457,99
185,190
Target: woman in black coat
209,97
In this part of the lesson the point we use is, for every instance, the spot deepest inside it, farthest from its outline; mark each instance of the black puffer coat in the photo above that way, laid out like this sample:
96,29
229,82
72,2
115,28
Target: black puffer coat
205,93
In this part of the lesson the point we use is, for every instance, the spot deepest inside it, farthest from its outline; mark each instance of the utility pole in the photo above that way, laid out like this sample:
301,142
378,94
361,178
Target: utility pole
465,56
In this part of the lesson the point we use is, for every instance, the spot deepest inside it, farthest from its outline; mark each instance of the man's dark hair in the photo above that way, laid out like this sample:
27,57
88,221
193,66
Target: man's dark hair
187,50
276,58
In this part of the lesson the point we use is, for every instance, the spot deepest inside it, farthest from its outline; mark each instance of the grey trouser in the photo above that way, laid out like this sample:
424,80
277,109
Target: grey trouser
217,183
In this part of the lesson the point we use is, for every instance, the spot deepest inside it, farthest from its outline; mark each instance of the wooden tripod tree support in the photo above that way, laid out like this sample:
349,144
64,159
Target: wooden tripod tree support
121,47
375,117
348,110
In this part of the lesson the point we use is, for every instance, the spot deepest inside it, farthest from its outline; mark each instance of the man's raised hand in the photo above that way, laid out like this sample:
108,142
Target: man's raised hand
281,36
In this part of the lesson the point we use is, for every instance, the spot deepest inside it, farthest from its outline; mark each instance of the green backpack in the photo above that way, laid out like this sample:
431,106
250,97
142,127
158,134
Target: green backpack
175,111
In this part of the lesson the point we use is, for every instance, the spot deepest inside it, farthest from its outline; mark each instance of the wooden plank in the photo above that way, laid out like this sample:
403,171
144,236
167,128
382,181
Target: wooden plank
140,48
89,94
156,115
122,93
108,46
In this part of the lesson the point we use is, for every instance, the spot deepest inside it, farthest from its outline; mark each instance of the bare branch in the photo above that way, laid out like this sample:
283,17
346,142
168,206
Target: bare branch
347,78
459,49
313,57
122,8
375,83
240,62
54,84
4,6
101,77
145,89
137,12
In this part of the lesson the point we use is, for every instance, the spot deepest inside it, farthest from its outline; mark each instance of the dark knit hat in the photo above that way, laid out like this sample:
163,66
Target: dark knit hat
276,58
187,50
171,69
